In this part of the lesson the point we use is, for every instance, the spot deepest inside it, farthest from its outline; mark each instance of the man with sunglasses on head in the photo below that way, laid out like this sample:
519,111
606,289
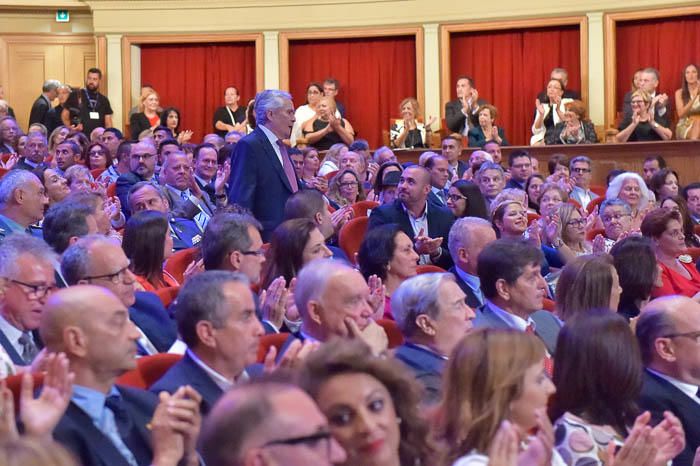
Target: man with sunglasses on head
26,281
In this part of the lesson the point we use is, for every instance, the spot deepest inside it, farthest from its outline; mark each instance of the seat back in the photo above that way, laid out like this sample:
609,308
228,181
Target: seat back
14,384
178,262
428,268
329,176
153,367
591,234
362,208
392,332
532,217
600,190
351,235
273,339
549,305
168,294
594,203
3,172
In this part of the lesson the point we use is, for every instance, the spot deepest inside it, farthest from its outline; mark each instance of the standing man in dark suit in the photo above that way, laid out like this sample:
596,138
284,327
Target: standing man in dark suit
42,105
514,289
216,318
668,331
27,274
431,311
262,174
462,113
468,237
99,260
428,225
105,424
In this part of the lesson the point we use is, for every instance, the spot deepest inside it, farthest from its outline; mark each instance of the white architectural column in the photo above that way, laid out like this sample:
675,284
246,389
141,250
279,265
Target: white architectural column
431,69
596,67
272,59
114,83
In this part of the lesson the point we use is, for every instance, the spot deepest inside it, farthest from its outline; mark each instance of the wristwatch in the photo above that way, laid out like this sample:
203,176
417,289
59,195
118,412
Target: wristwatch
557,243
656,125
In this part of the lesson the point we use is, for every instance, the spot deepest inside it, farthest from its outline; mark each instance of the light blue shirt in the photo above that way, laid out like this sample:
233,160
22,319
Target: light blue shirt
418,224
12,225
12,333
513,321
473,282
92,403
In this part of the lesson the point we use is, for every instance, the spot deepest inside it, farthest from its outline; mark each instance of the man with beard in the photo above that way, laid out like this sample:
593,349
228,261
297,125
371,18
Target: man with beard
87,109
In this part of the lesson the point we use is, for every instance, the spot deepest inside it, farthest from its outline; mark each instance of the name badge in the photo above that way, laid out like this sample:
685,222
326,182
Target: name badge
94,115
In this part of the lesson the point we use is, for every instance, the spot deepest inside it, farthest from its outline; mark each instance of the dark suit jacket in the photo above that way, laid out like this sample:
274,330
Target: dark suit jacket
477,138
659,395
427,367
124,184
207,189
40,111
185,233
258,181
440,220
187,209
454,117
22,165
461,168
149,314
512,184
546,325
472,300
433,199
76,432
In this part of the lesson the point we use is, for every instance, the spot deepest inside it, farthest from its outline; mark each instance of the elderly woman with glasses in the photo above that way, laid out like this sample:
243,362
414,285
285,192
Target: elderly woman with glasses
616,216
631,188
642,125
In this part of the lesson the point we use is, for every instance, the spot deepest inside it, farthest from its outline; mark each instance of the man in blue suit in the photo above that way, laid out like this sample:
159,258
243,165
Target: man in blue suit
216,319
513,286
427,224
98,260
106,424
668,332
262,173
433,316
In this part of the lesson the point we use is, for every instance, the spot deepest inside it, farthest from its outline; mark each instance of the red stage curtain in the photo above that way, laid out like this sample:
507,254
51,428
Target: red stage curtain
375,74
511,67
667,44
192,77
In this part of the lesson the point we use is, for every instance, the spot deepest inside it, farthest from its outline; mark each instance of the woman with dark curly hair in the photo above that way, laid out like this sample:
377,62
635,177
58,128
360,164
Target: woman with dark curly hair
170,118
294,243
388,253
371,404
664,183
147,243
346,188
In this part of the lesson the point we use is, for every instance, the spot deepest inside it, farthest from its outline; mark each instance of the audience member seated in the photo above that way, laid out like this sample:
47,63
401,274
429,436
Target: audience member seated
170,118
309,170
598,374
462,113
387,253
355,162
55,186
643,124
106,212
184,232
678,273
678,204
372,404
67,221
407,132
106,424
637,271
566,232
452,149
383,155
491,180
464,199
648,83
9,134
667,336
562,75
345,188
575,127
331,161
383,183
520,167
664,183
439,169
616,216
549,112
120,160
533,188
56,137
587,282
427,225
468,237
691,193
215,316
325,129
148,117
147,243
498,393
433,316
651,165
22,202
581,168
98,156
308,111
79,178
182,191
231,116
509,219
688,105
209,177
67,154
34,153
631,188
142,166
486,130
27,273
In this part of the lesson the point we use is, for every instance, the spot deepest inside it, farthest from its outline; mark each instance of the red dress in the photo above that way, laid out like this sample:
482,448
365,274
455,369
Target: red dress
675,283
145,285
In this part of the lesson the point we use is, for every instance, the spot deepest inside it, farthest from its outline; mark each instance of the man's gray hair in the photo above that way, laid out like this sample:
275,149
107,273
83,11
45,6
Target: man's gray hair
143,184
377,153
579,159
653,71
417,296
269,99
18,244
202,298
13,180
614,202
164,167
313,280
461,233
76,259
225,233
489,166
50,85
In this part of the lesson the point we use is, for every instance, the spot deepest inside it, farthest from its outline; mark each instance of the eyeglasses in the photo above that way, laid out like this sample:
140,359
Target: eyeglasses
259,253
319,441
34,291
637,102
96,152
142,156
348,184
610,218
456,197
581,170
116,277
692,335
579,222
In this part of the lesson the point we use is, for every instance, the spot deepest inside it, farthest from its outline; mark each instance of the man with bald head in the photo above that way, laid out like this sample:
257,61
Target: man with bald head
142,167
106,424
268,424
428,225
668,332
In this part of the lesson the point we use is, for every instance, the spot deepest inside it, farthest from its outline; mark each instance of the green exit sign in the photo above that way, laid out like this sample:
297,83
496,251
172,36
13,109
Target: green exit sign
62,16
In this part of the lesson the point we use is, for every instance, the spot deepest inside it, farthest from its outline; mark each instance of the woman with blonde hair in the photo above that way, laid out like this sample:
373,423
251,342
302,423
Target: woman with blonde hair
331,160
325,129
148,117
407,132
496,378
345,188
642,124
